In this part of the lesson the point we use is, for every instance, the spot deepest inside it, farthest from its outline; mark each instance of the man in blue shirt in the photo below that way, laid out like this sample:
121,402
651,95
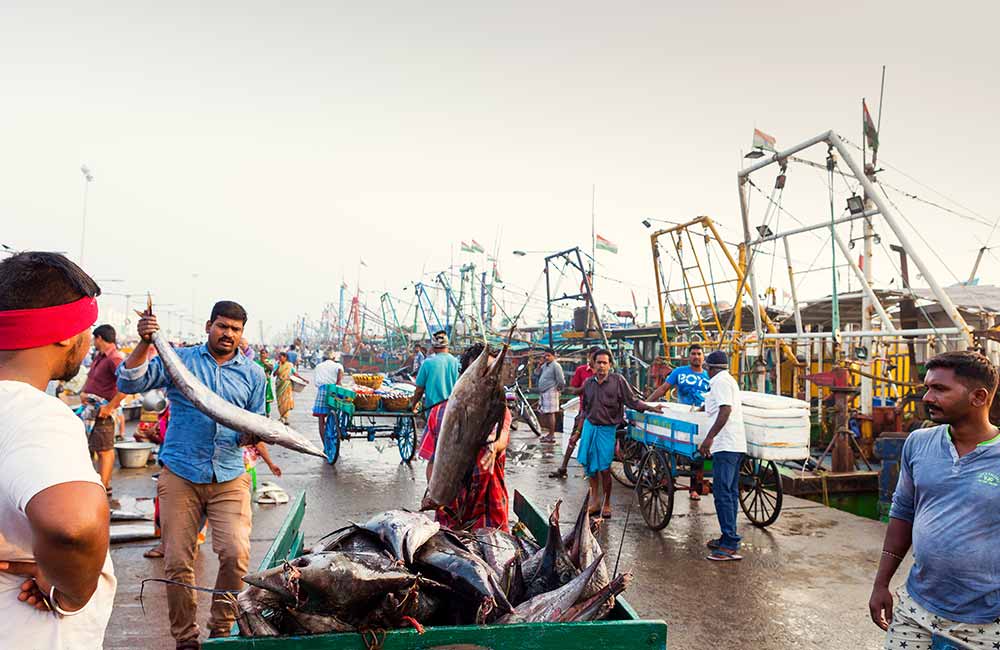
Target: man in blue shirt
946,507
203,473
691,382
437,375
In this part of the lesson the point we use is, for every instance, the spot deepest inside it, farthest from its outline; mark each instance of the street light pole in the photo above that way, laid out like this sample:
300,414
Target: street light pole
88,178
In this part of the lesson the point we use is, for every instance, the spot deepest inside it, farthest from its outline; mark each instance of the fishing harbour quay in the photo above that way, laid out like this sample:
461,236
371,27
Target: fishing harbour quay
469,326
786,581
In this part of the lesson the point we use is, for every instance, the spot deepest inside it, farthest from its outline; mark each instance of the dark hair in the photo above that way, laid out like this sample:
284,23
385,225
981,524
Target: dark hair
550,351
471,354
107,333
976,369
606,353
593,350
35,279
695,346
229,309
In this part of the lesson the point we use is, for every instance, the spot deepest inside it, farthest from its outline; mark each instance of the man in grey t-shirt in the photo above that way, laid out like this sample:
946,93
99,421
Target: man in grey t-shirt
946,507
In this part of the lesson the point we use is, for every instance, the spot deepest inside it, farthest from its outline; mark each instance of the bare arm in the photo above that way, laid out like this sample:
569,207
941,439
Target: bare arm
69,526
705,447
266,457
898,538
659,392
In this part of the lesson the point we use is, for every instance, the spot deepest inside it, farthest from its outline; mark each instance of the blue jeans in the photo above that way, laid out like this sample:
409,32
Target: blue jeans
726,489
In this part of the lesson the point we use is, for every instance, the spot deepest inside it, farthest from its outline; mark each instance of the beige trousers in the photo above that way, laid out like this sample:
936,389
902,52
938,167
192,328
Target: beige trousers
183,505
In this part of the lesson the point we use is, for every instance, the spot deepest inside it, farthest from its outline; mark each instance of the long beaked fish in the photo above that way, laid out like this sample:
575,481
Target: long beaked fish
597,606
475,406
552,605
255,428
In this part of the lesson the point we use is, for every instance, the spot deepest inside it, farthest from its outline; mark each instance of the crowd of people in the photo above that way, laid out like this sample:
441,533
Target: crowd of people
57,582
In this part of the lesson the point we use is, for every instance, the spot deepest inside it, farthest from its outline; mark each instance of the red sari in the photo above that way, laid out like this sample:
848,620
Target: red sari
483,501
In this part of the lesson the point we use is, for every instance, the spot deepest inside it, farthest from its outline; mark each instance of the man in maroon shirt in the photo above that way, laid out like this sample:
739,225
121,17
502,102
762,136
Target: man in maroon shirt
582,373
103,384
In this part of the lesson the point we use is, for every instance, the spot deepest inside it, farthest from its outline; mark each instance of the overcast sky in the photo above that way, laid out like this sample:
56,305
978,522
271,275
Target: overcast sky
267,148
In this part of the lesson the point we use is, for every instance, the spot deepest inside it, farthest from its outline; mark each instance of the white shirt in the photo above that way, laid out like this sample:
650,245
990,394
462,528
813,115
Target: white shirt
327,372
42,444
724,391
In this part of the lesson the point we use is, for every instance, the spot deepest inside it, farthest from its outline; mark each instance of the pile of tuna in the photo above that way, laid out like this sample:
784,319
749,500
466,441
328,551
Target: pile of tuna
401,569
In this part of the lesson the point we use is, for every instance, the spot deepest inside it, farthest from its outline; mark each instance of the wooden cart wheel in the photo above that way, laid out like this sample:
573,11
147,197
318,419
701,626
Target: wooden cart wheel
760,491
335,426
629,453
405,432
655,489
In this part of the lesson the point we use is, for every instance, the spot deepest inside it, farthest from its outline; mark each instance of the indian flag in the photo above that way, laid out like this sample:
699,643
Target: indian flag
606,245
477,247
467,249
871,133
763,141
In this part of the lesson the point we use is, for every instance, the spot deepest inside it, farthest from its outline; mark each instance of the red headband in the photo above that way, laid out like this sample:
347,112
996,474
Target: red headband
21,329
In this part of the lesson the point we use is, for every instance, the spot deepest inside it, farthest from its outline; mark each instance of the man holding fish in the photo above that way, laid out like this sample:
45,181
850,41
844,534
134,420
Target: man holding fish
203,473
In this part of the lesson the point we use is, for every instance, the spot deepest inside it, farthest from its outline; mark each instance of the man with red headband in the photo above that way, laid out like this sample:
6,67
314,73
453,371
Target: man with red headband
57,584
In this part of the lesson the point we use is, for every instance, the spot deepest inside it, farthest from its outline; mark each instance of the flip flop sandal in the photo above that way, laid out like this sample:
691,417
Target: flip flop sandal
559,473
722,555
153,553
714,543
606,514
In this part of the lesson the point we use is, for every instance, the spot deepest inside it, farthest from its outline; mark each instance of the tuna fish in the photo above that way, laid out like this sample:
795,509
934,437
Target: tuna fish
445,558
301,622
251,605
404,532
352,539
346,585
597,606
497,548
475,407
552,605
551,567
255,428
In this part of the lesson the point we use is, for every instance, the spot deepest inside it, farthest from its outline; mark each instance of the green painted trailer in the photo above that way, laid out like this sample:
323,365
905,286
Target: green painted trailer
624,630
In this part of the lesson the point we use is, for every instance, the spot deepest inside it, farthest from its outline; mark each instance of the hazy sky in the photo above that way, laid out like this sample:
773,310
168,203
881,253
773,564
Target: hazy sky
267,147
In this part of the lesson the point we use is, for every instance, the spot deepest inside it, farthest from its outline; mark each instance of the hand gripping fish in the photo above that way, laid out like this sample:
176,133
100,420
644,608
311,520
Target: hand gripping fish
476,405
255,428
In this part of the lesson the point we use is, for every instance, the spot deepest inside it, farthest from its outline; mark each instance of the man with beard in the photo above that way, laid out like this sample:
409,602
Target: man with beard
57,585
203,473
945,507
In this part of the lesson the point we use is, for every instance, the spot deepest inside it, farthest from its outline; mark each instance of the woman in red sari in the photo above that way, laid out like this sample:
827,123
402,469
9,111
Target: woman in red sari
482,502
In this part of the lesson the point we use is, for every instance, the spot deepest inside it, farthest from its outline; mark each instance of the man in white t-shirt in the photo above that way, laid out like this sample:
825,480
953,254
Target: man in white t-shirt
57,585
726,443
329,372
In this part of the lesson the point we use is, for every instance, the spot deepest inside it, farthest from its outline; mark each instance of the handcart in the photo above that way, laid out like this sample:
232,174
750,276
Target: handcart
658,448
345,422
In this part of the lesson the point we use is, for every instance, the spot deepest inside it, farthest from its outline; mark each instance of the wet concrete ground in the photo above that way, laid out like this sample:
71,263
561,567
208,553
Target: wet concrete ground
804,583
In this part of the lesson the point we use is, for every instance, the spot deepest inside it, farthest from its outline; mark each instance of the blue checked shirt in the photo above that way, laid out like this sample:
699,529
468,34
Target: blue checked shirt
196,448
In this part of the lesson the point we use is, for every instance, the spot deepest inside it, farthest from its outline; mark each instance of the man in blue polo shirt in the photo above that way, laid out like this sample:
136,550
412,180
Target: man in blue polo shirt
203,474
946,508
691,382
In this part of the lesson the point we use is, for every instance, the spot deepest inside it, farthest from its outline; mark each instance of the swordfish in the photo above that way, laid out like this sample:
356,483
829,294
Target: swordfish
255,428
475,407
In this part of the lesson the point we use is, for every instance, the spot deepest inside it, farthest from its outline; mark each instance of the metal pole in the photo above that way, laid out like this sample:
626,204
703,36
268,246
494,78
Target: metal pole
887,323
83,227
791,280
659,292
745,213
819,226
808,382
927,331
975,267
939,292
548,300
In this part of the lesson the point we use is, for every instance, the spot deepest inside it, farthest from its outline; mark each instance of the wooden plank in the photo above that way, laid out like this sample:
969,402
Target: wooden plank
607,635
